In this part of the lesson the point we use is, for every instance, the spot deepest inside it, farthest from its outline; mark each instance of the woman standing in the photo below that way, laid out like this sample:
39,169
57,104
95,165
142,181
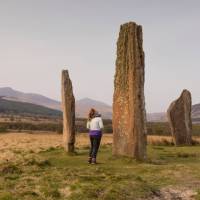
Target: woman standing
95,126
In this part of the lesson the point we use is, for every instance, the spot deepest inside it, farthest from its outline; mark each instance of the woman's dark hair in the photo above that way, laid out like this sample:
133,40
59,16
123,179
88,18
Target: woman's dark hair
91,114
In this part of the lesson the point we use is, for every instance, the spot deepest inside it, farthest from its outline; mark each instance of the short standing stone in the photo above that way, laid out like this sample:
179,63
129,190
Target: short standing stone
68,106
129,115
179,116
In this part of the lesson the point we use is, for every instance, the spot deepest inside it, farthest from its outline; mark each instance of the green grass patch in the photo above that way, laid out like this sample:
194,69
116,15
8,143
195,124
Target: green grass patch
53,174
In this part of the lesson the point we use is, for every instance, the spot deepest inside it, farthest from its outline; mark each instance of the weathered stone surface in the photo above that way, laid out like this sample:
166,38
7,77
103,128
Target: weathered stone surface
129,115
68,106
179,116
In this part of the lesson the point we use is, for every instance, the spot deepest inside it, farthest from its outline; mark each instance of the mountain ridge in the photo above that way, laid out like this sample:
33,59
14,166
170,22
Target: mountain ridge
82,105
24,108
33,98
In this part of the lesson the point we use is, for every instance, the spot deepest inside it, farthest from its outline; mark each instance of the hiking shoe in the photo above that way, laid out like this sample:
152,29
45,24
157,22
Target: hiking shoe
93,161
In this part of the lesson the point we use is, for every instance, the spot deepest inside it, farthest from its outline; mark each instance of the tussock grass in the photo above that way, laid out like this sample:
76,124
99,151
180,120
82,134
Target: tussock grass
40,163
10,168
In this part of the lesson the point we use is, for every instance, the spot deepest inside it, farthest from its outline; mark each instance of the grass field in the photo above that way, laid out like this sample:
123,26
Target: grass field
35,167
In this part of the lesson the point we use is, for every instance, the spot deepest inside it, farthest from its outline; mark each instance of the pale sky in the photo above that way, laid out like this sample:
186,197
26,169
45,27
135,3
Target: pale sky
39,38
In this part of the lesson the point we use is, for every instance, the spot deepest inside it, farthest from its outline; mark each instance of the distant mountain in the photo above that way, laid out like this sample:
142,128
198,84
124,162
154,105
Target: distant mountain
157,117
162,117
84,105
196,111
22,108
14,95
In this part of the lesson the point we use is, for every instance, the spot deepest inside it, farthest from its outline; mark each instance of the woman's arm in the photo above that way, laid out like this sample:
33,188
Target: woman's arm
101,123
88,124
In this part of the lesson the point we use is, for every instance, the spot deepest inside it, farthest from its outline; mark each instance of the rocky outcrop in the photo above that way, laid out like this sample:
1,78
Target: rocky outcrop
129,115
179,116
68,106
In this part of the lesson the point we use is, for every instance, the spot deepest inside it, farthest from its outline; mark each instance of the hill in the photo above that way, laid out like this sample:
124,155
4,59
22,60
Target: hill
14,95
162,117
196,111
84,105
157,117
22,108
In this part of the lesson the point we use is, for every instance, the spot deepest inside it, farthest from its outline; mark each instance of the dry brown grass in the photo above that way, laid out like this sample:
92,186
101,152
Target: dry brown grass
167,140
159,140
14,146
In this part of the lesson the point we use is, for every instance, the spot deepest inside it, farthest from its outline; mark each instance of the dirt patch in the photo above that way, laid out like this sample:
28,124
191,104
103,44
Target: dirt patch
170,193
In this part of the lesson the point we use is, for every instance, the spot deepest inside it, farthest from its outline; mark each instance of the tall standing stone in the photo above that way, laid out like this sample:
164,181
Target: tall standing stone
68,106
179,116
129,115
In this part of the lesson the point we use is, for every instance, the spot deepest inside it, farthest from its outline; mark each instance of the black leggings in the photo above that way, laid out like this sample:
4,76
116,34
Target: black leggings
95,143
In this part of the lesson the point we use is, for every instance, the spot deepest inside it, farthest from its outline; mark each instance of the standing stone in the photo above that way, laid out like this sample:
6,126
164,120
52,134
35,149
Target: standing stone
179,116
129,115
68,106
